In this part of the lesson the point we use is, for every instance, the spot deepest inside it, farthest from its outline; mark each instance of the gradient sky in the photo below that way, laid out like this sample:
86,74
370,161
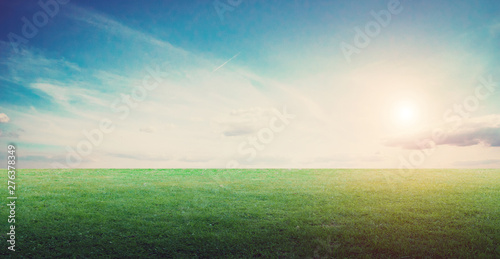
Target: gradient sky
420,93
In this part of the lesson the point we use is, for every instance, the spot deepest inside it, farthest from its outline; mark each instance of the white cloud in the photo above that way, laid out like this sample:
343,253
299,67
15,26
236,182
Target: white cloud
4,118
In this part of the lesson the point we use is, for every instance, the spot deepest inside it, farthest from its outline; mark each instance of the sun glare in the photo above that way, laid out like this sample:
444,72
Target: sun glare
406,113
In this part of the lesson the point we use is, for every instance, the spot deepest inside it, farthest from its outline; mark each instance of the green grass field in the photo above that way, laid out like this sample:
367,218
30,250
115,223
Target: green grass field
268,213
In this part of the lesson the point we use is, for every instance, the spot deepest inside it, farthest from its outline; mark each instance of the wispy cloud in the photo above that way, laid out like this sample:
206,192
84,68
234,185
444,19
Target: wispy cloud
9,135
73,98
495,29
243,121
110,25
30,64
142,157
148,129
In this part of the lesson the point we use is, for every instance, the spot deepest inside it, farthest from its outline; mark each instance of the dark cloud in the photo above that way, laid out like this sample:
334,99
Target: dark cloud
481,130
488,136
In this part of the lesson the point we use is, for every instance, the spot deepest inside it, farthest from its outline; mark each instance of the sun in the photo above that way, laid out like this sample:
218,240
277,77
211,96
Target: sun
406,113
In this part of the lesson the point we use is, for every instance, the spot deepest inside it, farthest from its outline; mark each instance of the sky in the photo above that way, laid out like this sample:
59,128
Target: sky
250,84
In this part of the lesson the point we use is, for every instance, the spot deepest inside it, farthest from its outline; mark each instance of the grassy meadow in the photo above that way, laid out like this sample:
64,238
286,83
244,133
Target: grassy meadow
267,213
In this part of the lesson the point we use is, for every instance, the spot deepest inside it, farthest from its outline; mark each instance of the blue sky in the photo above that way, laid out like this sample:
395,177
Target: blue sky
261,84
